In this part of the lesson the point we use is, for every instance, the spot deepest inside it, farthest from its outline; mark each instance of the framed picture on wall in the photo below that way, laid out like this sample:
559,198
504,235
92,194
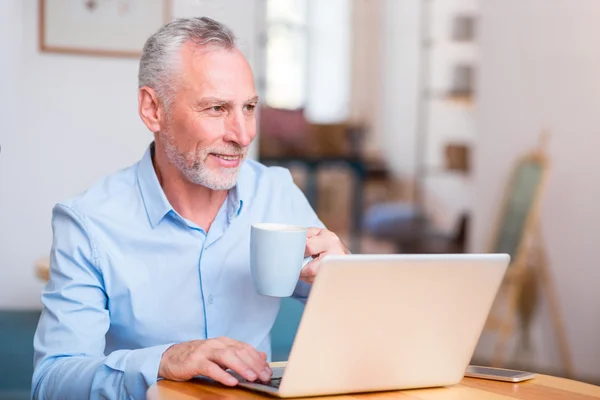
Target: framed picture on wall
115,28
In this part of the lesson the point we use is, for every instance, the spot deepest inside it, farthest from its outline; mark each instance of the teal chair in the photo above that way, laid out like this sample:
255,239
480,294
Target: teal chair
284,329
16,353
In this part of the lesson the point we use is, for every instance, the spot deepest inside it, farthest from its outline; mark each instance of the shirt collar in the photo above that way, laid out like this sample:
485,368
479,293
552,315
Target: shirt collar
234,202
155,201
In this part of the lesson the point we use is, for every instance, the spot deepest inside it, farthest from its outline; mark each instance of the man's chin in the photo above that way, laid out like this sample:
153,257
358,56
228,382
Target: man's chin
220,185
222,180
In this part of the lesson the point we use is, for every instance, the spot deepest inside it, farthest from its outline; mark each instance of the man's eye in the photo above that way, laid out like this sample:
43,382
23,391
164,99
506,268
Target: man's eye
217,108
250,107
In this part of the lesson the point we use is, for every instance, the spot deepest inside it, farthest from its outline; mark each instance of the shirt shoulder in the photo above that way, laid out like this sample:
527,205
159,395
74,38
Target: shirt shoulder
115,192
273,196
259,176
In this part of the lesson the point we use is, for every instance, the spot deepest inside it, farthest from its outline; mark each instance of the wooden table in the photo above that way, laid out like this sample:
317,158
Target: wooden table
543,387
42,268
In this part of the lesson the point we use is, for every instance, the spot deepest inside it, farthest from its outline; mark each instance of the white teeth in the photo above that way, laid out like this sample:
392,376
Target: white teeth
228,158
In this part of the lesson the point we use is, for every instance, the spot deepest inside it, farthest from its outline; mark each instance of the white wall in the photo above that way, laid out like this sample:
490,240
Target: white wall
365,60
395,122
67,120
539,68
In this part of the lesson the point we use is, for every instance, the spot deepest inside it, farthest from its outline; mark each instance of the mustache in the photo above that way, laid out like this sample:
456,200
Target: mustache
233,150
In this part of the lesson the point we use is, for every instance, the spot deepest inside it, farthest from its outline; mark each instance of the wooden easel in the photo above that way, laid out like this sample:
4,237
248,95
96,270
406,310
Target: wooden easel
529,273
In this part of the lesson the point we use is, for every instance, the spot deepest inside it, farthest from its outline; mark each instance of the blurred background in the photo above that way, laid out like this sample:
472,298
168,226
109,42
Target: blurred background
401,120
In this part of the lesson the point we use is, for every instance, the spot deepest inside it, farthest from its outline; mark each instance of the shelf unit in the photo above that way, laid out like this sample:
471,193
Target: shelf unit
448,64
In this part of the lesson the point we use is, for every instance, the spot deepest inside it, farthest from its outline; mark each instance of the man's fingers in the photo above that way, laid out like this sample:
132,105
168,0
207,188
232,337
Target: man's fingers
212,358
308,273
217,373
228,359
237,359
310,232
254,360
316,245
243,359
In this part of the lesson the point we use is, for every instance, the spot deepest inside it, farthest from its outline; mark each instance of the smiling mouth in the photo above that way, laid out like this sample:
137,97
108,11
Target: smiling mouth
227,157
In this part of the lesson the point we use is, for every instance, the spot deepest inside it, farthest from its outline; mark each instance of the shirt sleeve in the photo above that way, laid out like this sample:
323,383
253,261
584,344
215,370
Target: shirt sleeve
69,343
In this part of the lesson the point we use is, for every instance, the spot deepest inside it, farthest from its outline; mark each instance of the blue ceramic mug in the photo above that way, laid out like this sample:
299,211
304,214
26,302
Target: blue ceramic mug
277,257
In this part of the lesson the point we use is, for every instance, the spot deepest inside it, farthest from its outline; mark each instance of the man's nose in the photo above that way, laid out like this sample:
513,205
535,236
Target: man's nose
239,129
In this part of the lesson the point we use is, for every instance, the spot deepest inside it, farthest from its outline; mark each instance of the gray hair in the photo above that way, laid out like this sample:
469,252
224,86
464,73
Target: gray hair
159,56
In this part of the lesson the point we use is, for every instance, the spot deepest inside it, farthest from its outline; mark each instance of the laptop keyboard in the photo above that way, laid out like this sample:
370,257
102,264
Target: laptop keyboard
275,382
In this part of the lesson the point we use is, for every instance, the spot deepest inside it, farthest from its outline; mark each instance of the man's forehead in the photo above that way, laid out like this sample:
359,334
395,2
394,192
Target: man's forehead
217,71
205,56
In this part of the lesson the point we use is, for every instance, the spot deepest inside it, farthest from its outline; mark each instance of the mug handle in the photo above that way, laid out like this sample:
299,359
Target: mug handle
306,261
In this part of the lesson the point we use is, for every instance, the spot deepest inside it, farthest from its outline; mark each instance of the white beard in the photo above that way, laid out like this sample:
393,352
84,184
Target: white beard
193,165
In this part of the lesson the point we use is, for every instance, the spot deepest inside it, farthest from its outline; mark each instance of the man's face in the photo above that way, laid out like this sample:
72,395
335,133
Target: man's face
211,120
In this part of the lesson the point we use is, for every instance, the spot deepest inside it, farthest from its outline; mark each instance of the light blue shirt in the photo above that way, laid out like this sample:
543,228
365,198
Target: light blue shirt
129,277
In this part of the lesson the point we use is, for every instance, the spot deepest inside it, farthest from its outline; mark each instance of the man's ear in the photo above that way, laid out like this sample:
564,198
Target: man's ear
149,108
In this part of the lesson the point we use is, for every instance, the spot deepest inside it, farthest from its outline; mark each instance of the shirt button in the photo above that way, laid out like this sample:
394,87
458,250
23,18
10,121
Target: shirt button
210,299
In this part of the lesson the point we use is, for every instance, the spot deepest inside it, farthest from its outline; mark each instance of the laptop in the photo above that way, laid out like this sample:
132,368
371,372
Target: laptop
388,322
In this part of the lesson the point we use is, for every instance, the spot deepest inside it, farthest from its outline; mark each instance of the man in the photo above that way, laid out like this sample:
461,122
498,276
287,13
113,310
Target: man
150,275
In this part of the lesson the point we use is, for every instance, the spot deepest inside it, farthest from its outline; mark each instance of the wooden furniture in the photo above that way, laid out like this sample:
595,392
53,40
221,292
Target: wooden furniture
42,269
362,169
446,90
542,387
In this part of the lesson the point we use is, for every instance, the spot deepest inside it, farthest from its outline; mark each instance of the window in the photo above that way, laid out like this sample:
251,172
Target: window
286,53
308,57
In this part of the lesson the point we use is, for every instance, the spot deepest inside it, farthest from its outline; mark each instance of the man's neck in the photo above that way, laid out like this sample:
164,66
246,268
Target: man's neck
193,202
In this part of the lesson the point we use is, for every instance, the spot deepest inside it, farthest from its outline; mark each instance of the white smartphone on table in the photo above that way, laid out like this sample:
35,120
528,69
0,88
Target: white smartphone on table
498,374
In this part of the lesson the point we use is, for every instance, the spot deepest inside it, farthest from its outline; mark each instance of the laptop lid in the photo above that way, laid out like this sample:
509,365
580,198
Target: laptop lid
386,322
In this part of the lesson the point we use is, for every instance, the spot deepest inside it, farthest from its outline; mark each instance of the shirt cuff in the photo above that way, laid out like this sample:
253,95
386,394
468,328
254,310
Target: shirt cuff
141,369
302,291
